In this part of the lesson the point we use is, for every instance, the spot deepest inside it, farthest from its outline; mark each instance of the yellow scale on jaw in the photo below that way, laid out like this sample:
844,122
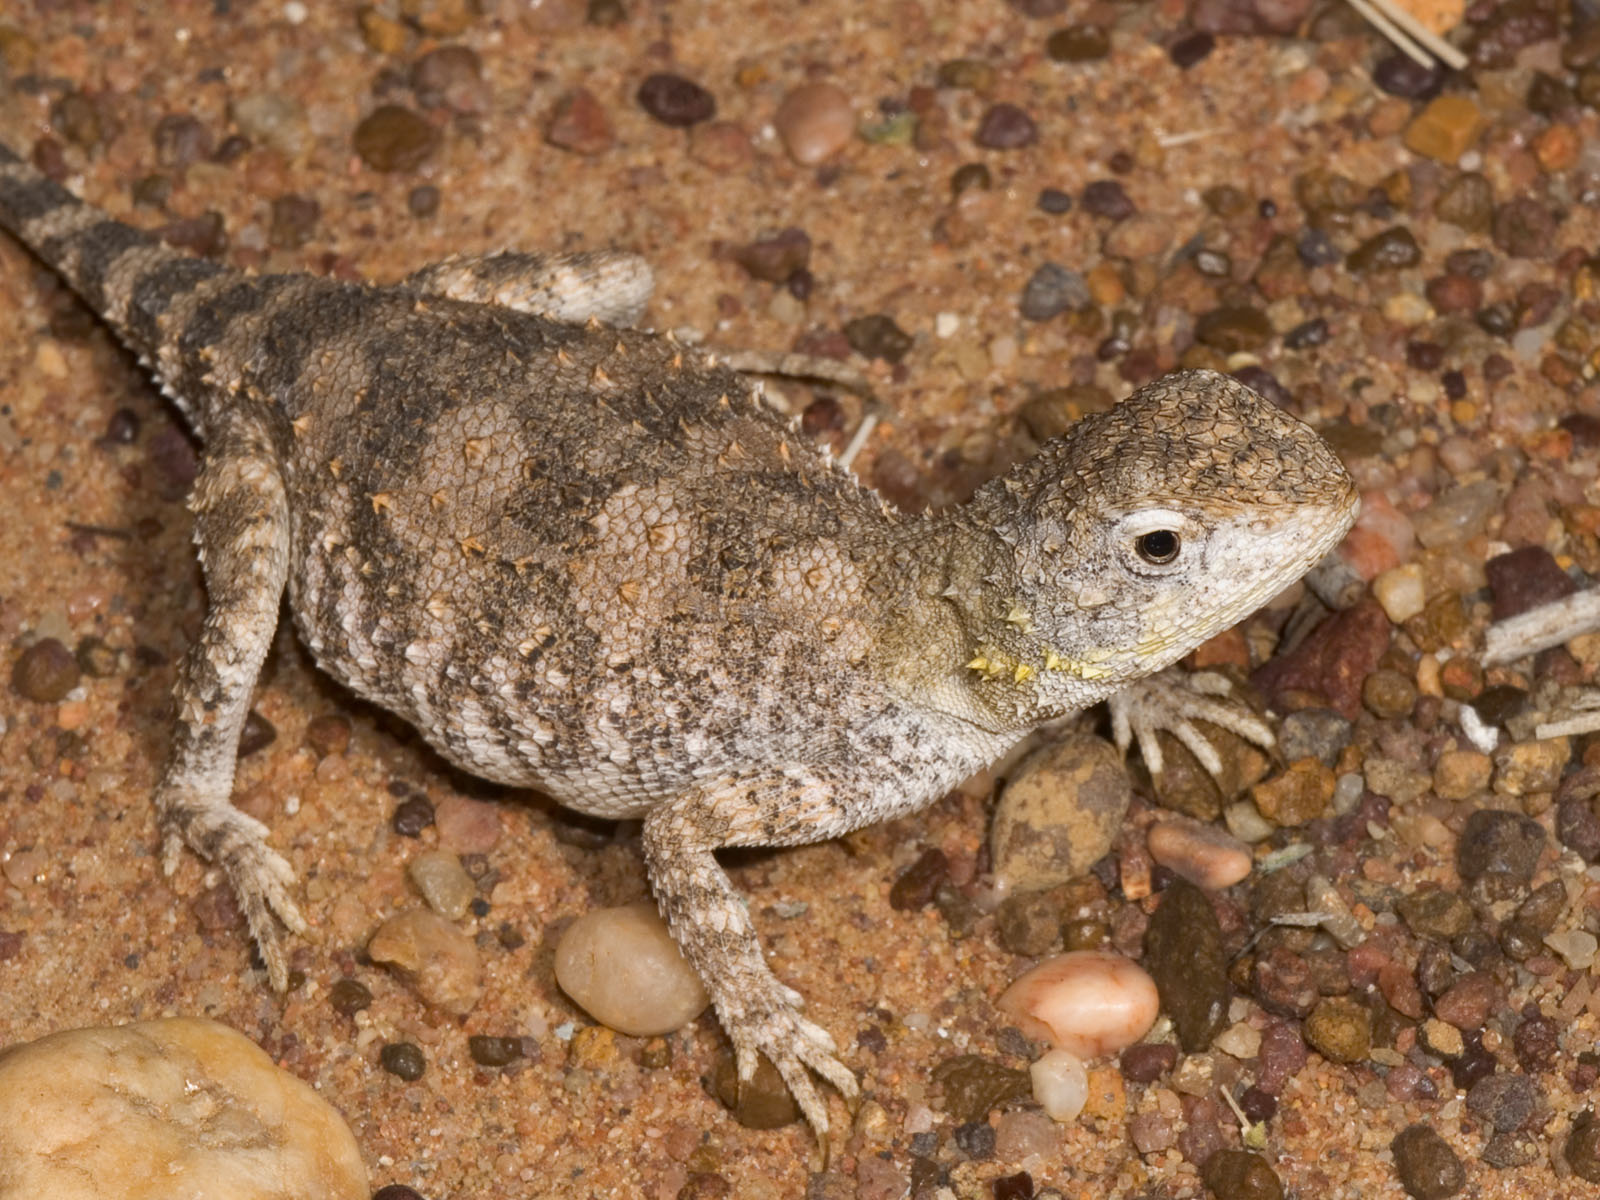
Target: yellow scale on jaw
995,664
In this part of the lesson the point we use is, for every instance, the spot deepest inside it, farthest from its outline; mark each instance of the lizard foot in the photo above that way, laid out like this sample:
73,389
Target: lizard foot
764,1020
1173,702
258,874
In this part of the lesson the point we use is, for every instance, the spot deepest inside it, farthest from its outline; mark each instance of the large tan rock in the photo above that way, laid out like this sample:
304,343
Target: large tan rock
1059,813
181,1109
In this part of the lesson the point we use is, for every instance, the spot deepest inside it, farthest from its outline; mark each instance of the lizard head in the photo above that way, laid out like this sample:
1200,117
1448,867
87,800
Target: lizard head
1149,528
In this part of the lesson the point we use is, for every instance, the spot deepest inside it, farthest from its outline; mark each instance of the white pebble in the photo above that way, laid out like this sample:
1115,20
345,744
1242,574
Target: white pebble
1400,591
1088,1002
622,967
1203,854
1576,946
1239,1040
1060,1085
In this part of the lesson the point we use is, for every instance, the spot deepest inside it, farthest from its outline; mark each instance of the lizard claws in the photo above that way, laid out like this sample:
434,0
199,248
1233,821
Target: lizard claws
1173,704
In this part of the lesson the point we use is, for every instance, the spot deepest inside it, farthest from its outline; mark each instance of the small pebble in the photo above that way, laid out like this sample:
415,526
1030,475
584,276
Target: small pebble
1240,1175
394,139
467,826
1497,842
774,259
1054,201
403,1060
1445,129
437,959
1391,250
1576,947
761,1102
815,121
1060,1085
1191,48
1078,43
676,101
1428,1168
1106,198
45,672
578,122
489,1051
174,1107
1185,956
877,336
1340,1029
1582,1149
1006,127
348,997
1088,1002
1203,854
621,966
973,1086
1506,1100
1050,290
439,876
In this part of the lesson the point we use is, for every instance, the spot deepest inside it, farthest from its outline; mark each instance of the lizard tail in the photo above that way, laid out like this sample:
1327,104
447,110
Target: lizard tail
128,277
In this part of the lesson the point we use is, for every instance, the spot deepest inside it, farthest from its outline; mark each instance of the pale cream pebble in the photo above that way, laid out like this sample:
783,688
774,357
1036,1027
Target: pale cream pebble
178,1109
1576,947
815,121
1400,592
1203,854
437,959
1060,1085
467,826
621,966
1239,1040
1088,1002
443,882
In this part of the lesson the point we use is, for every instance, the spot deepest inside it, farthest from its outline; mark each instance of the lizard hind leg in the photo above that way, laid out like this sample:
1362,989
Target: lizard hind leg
712,926
242,527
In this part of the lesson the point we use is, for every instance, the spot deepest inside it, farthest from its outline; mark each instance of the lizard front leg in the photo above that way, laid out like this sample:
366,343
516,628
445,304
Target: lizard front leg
710,923
242,530
1173,701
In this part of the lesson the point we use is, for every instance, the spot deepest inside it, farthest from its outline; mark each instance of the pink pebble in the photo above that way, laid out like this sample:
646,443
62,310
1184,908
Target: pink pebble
1206,856
1088,1002
815,121
467,826
1382,537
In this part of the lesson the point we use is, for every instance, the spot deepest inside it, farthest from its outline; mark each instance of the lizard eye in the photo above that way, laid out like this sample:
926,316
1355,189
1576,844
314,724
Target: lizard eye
1158,547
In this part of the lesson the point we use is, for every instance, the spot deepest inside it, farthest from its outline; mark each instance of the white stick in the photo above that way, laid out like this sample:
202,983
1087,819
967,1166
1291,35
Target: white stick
1540,628
1393,32
1436,45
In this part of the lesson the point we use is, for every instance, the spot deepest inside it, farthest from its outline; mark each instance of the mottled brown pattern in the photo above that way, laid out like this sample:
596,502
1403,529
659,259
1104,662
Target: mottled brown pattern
586,559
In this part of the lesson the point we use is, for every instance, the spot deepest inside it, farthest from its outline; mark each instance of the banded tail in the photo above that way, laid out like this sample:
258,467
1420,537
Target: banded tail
127,276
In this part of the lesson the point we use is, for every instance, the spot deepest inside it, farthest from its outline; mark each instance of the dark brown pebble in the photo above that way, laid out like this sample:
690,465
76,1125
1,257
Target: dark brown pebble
488,1051
1225,200
1578,828
959,911
1233,328
1191,48
1332,661
45,672
1013,1187
348,997
1050,290
180,140
1240,1175
1496,367
1283,983
1428,1168
77,119
1401,75
412,816
258,734
1030,923
448,75
1467,201
294,217
1006,127
1054,201
773,259
396,1191
762,1102
676,101
1548,95
1258,1105
1424,355
1435,912
1454,293
1582,1150
1524,579
913,888
394,139
1106,198
1078,43
877,336
10,944
1391,250
967,74
1185,956
970,175
1315,248
403,1059
1455,388
1264,383
1497,842
1524,228
823,415
1307,334
973,1086
1146,1062
606,13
